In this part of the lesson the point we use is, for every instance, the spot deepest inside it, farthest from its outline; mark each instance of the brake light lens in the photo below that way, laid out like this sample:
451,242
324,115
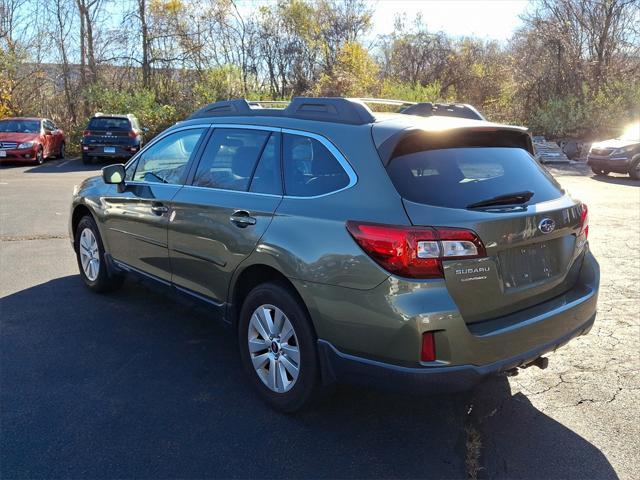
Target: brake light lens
584,221
86,133
428,353
132,134
415,252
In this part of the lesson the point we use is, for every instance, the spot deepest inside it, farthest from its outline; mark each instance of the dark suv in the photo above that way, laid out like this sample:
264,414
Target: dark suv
619,155
342,244
111,137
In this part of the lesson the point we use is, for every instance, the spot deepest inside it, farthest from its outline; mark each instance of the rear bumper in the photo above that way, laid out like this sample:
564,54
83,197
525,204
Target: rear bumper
120,151
385,351
341,367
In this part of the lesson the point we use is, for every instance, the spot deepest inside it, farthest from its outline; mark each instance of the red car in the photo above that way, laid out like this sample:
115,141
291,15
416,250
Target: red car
30,140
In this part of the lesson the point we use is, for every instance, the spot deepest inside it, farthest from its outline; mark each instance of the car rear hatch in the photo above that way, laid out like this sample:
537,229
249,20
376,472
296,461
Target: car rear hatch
107,131
484,179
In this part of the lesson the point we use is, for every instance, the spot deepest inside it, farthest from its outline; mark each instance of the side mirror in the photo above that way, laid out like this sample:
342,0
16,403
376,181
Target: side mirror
114,174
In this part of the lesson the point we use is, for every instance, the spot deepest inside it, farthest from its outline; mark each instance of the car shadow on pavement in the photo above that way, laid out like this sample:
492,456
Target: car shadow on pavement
65,165
131,384
520,441
617,180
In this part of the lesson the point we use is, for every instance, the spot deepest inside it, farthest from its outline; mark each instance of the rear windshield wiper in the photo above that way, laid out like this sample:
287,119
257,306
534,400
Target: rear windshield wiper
516,198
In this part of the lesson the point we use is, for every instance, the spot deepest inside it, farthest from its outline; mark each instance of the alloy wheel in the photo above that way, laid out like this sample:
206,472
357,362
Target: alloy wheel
89,255
274,348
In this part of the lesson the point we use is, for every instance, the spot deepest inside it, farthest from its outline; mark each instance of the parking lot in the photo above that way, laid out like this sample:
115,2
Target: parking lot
130,384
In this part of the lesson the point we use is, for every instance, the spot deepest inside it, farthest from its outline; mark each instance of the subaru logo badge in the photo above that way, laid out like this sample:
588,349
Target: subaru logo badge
546,225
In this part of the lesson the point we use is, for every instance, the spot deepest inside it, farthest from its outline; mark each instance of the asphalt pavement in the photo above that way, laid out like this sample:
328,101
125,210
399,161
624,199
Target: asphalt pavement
131,384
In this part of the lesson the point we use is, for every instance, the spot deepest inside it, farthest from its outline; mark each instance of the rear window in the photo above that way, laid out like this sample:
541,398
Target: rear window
107,123
457,177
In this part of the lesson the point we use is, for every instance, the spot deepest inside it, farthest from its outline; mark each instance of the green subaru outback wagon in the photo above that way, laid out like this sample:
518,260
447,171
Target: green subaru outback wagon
345,245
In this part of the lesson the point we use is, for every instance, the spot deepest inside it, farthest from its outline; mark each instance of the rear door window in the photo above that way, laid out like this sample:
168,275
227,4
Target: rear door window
229,160
458,177
310,169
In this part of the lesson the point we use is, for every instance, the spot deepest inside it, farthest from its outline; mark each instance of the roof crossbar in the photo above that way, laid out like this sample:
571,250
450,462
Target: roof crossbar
350,111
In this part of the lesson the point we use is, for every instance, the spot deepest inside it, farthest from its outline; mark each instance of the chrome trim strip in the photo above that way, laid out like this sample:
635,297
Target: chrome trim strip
344,163
243,126
154,184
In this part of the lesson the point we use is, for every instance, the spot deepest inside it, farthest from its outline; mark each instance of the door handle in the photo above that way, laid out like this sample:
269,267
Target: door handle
159,209
242,219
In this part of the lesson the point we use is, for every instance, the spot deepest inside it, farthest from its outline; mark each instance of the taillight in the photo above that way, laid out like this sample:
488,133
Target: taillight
86,133
584,221
132,134
415,252
428,352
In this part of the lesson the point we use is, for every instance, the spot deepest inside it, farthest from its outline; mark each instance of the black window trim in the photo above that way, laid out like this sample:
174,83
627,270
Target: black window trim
195,155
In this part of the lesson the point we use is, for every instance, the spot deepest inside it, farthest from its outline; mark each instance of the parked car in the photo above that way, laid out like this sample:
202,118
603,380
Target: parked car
111,137
343,245
620,155
27,139
547,151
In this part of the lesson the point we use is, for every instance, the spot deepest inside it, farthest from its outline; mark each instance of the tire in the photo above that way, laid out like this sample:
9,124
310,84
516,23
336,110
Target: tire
281,358
634,171
96,277
599,171
39,156
86,159
62,151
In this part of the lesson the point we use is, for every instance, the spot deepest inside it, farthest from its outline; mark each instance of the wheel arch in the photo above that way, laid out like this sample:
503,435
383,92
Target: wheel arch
81,210
249,278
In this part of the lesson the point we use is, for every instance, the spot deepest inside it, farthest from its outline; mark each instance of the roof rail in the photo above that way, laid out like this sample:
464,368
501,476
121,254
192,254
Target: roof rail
386,101
350,111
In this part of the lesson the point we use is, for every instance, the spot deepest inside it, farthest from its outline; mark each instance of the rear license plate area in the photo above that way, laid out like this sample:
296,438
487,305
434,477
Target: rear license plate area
109,149
3,153
522,266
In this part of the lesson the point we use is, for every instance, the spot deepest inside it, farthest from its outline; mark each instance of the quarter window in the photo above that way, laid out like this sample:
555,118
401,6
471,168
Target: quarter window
229,160
166,161
310,169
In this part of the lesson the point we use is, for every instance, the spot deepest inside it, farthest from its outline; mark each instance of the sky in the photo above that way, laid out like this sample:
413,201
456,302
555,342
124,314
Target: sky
487,19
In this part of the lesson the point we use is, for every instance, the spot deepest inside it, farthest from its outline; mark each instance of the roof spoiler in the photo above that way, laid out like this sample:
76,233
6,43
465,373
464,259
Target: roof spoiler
411,140
326,109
